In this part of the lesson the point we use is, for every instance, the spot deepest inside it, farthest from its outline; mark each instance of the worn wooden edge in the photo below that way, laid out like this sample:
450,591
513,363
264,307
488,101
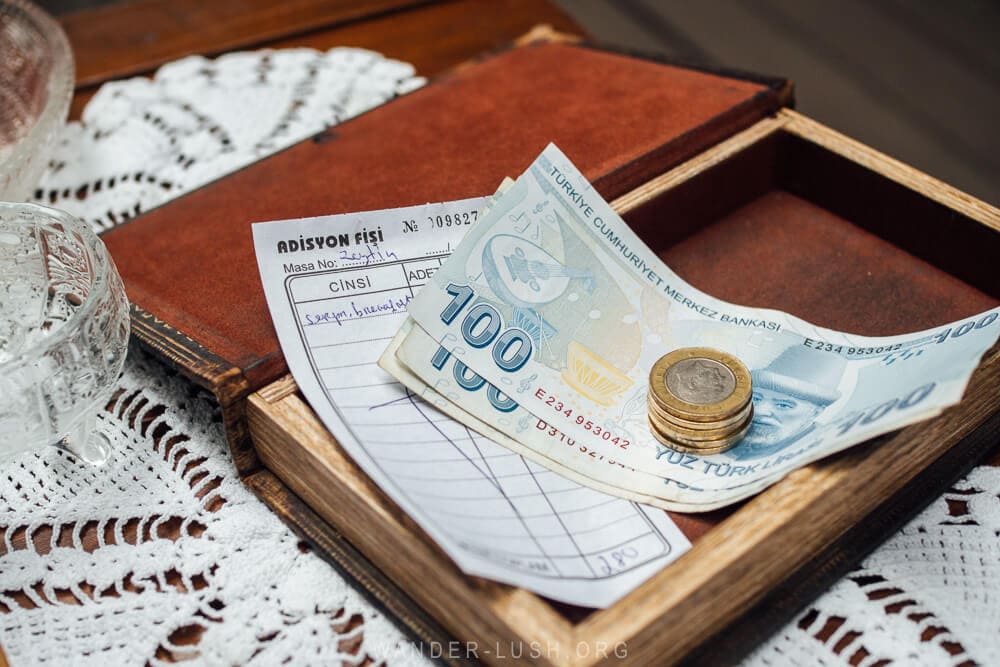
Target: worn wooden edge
542,33
327,479
546,34
891,168
789,120
278,389
783,530
206,369
185,353
784,602
333,547
755,561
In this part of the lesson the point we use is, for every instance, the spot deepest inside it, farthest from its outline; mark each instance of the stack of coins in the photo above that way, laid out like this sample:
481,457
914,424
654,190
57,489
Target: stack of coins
699,400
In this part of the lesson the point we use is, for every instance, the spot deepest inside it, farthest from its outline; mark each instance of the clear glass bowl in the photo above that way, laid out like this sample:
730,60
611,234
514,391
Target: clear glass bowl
64,327
36,84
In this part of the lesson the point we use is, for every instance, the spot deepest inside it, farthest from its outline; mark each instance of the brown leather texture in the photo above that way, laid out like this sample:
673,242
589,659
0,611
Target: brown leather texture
781,251
621,119
789,226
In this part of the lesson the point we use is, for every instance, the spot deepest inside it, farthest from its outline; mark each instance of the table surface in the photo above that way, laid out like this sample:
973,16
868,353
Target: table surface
134,38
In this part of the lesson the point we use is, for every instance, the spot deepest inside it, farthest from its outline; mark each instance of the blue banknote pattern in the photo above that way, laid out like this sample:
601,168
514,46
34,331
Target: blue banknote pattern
555,303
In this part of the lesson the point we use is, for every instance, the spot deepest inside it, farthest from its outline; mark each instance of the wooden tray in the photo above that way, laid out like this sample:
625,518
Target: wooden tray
786,214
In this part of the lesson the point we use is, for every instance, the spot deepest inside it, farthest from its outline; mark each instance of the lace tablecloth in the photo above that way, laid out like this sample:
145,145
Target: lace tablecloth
163,555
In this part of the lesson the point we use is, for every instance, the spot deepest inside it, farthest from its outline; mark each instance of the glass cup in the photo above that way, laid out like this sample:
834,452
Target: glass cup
64,327
36,84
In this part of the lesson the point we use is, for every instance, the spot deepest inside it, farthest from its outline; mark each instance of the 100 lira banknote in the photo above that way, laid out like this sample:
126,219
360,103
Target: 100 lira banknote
546,319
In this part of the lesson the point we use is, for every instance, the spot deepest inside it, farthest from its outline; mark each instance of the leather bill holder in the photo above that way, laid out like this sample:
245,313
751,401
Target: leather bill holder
189,266
746,200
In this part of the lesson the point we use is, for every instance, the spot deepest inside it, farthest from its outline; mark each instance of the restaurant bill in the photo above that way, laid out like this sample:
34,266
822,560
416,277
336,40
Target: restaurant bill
338,288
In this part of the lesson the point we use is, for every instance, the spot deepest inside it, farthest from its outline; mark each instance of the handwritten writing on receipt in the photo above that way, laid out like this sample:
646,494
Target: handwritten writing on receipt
336,303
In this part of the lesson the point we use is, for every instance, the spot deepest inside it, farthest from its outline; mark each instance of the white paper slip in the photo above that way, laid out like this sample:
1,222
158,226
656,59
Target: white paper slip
337,288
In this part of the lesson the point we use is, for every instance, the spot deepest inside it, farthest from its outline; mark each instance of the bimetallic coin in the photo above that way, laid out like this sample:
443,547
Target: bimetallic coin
699,401
710,385
698,438
700,381
697,451
692,435
729,422
677,443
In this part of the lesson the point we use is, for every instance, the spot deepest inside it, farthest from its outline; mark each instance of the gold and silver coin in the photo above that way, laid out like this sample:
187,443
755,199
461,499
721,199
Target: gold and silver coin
703,449
699,400
738,418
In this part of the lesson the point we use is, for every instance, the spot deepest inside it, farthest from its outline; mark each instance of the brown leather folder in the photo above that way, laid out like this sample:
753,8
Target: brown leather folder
189,266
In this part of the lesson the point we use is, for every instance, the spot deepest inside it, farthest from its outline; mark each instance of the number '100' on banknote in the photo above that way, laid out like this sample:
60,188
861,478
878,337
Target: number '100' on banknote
551,312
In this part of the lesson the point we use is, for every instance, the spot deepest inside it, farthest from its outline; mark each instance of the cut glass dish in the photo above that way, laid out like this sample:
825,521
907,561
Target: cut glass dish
64,327
36,84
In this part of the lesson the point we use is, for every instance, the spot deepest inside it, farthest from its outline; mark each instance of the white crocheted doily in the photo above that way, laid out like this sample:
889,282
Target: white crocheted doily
163,555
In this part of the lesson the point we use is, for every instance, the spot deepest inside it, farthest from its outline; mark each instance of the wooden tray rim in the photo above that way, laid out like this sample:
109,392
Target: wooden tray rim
793,512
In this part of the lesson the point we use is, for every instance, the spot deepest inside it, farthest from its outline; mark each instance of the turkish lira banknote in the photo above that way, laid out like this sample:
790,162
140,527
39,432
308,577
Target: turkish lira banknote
545,321
568,458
